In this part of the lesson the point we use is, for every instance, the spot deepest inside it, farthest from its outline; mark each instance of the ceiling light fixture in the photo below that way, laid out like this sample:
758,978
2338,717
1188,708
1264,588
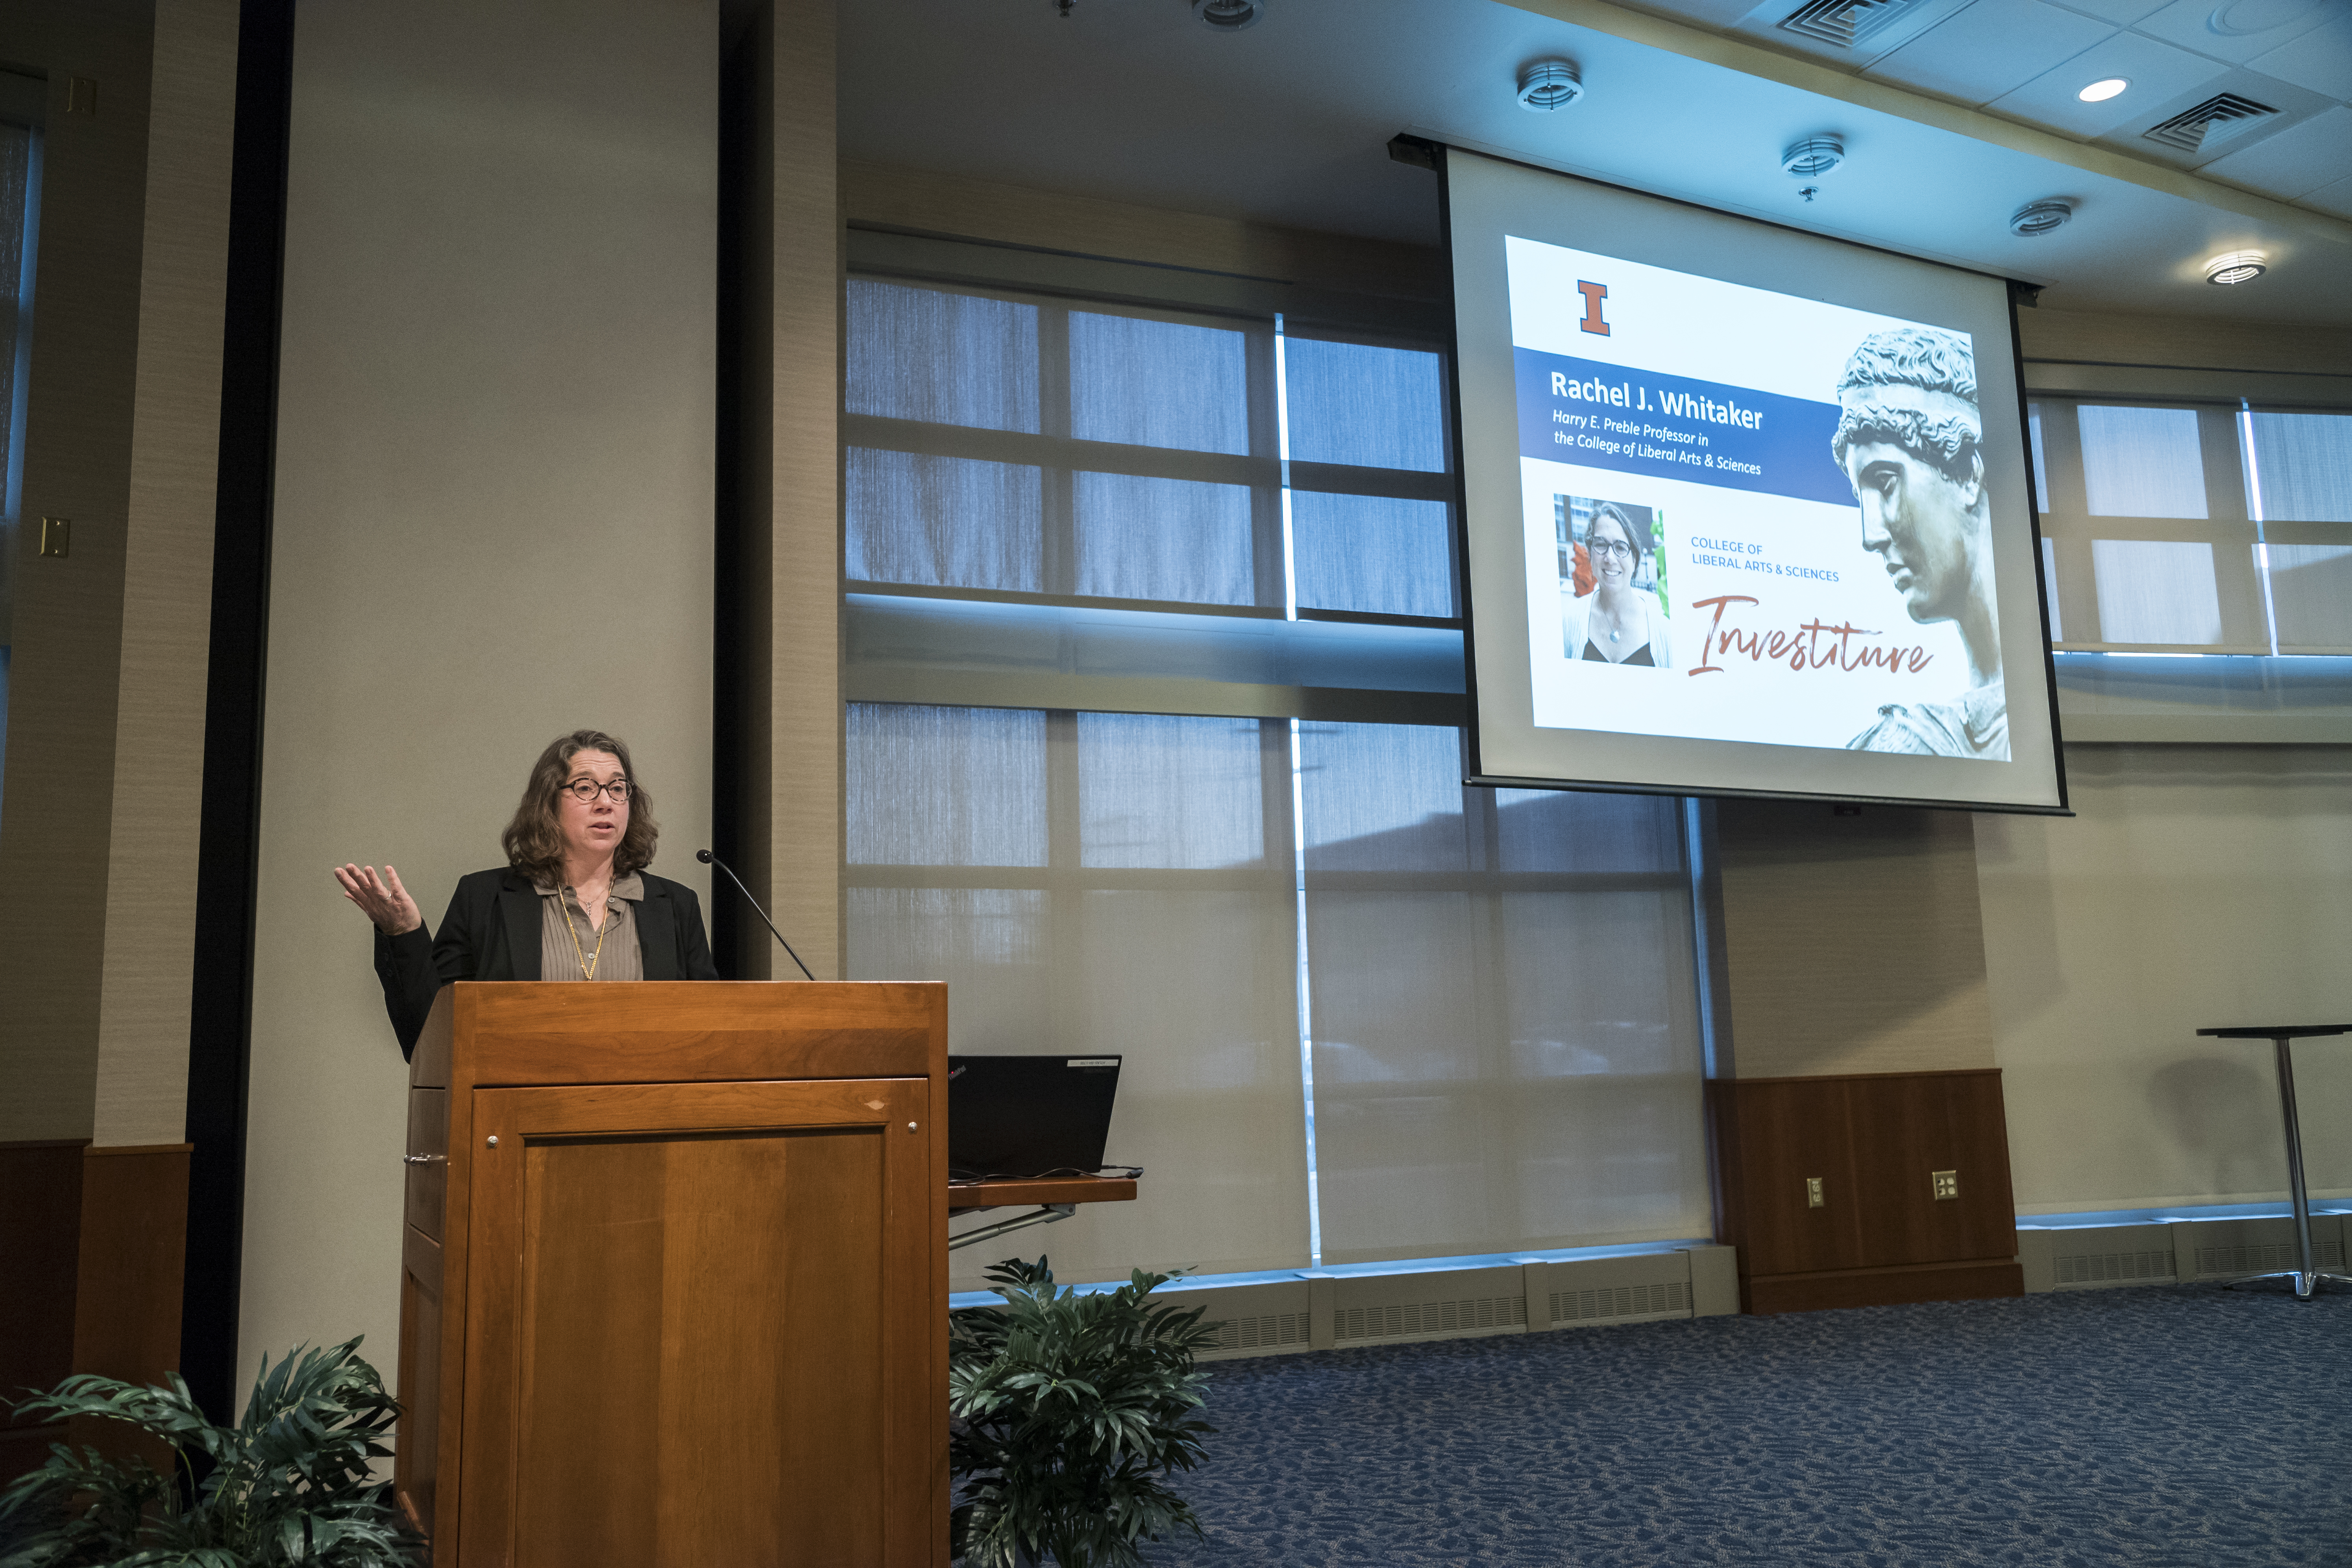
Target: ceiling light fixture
2237,266
1229,16
1813,157
2105,89
2037,218
1548,85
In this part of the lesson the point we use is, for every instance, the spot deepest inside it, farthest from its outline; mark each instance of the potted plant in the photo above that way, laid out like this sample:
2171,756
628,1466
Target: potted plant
290,1483
1067,1413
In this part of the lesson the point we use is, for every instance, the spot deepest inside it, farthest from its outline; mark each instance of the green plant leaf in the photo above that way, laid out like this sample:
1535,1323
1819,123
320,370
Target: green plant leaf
1067,1412
290,1483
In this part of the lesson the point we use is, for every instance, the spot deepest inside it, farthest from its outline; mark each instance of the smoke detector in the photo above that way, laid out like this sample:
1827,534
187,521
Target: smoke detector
1548,85
1229,16
2036,219
2237,266
1813,157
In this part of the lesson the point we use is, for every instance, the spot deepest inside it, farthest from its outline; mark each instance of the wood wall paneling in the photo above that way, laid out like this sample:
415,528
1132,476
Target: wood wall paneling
40,1237
1881,1235
132,1259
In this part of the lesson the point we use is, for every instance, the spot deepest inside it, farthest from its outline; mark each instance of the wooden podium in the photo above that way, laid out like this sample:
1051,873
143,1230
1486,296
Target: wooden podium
675,1276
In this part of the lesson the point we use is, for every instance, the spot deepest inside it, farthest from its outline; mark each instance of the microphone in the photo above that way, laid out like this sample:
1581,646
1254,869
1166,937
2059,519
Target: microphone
708,858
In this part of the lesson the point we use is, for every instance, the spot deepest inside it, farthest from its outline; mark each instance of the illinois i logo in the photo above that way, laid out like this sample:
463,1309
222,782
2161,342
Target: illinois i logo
1593,294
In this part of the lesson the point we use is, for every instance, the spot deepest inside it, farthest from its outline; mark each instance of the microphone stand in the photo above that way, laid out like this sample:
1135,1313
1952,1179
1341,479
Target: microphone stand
708,858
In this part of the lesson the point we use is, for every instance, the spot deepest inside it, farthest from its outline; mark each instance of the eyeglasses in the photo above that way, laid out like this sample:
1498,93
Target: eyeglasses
1608,547
585,791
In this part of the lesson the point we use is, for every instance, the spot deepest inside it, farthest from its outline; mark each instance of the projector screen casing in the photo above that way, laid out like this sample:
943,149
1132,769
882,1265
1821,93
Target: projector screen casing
1489,202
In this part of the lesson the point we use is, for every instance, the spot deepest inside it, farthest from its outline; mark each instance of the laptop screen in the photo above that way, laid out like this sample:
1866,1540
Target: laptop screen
1028,1116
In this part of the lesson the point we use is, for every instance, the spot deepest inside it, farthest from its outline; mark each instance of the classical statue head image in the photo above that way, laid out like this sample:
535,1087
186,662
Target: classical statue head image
1908,439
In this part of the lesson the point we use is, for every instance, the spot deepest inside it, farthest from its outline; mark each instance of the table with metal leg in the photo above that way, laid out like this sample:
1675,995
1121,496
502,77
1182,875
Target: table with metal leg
2306,1274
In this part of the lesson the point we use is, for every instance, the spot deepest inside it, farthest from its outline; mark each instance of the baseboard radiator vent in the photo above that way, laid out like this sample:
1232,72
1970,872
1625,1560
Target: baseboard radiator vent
1428,1319
1261,1333
2263,1258
2164,1252
1316,1311
2113,1267
1623,1302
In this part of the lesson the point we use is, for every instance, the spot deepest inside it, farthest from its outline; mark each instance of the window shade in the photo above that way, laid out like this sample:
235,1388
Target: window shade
1506,1048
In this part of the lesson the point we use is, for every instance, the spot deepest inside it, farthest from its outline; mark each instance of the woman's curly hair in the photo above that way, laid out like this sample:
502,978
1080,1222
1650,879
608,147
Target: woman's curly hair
534,840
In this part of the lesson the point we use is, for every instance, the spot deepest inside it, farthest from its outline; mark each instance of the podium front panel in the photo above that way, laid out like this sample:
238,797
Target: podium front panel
681,1310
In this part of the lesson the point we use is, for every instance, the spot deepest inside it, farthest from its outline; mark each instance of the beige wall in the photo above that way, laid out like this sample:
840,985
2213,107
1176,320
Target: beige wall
151,885
790,494
918,202
493,524
2199,885
68,613
98,845
1851,944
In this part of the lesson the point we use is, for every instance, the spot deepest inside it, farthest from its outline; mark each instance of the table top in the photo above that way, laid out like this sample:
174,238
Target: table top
1041,1190
2274,1031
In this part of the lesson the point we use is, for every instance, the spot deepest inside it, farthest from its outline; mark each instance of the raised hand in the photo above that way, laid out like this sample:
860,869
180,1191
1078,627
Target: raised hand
382,900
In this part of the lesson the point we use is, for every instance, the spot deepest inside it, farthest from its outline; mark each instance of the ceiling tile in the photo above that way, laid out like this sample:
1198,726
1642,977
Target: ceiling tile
2236,30
2294,162
2157,72
1901,26
2321,61
2335,198
2122,12
2290,106
1714,14
1989,48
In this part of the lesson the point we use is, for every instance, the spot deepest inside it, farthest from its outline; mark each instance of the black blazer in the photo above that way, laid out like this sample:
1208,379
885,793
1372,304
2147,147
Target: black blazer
491,932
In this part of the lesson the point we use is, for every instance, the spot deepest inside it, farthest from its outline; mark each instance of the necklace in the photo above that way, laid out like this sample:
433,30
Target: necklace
588,961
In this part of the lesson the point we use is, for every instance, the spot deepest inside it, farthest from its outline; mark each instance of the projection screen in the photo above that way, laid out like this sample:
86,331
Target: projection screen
1746,511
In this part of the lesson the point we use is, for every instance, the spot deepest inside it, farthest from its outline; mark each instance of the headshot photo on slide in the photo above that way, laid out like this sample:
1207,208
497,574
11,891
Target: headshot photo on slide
1613,589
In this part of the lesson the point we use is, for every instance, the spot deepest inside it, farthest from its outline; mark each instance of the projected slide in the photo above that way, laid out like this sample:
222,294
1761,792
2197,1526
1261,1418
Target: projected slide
1744,510
1749,516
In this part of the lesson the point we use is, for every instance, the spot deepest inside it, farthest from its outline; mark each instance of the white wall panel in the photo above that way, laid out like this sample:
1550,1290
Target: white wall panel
493,524
2199,887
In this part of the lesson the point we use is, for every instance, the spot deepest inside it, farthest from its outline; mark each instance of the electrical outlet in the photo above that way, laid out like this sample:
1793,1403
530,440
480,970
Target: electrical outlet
1813,1198
1946,1184
57,536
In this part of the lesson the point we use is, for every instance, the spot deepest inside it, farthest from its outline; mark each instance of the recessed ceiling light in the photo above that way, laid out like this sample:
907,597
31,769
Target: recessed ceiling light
1548,85
2100,90
1229,16
2237,266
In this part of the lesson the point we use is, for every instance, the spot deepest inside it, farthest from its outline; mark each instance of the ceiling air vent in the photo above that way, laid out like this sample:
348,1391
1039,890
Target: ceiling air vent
1845,22
2219,117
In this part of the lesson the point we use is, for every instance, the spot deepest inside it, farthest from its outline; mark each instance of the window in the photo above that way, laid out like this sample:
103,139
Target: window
1498,1006
1039,449
2195,528
1154,748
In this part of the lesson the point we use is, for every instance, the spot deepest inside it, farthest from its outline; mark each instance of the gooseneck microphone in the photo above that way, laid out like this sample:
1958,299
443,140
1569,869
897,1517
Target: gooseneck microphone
708,858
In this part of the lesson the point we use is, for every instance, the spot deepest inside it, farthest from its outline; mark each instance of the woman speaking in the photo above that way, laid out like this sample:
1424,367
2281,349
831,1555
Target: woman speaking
572,902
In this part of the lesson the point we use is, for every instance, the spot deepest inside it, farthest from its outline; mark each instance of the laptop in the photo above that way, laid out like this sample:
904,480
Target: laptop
1028,1116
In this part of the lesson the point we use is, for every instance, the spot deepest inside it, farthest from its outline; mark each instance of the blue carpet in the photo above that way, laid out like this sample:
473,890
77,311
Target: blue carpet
2158,1426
